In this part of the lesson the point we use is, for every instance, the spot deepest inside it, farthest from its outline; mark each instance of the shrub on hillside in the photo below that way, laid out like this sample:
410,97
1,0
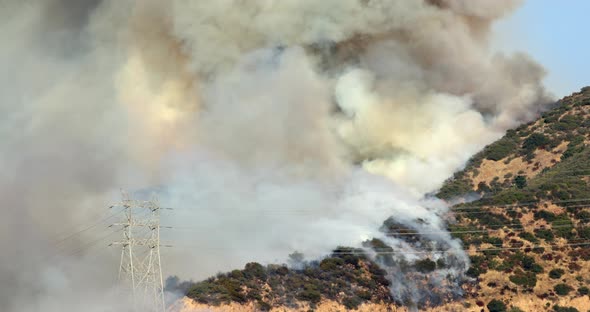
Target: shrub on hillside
476,267
352,303
489,219
496,241
511,196
551,118
529,264
545,215
568,123
254,270
520,181
264,306
558,308
496,306
525,279
571,151
500,149
528,236
547,235
563,226
562,289
556,273
454,187
425,265
535,141
584,232
309,293
330,264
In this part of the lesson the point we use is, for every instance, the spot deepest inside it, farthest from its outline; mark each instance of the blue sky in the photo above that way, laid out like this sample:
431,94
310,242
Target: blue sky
557,34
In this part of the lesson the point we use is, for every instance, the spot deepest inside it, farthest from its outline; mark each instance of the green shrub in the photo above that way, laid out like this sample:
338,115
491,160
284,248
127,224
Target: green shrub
489,219
583,291
496,306
563,226
476,267
536,268
534,141
557,308
525,279
577,140
568,123
547,235
425,265
380,246
545,215
232,289
570,151
528,236
520,181
310,293
352,303
551,118
500,149
236,274
330,264
526,262
584,232
556,273
562,289
523,133
496,241
510,196
553,142
254,270
454,187
264,306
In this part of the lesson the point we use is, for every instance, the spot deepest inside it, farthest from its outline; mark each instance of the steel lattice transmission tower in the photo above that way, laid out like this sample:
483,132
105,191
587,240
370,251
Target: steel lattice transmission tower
140,268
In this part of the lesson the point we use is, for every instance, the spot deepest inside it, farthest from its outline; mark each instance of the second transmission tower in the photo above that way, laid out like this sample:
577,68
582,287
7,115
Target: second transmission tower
140,269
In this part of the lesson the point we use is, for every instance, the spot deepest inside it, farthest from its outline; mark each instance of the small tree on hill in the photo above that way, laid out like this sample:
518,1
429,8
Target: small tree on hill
520,181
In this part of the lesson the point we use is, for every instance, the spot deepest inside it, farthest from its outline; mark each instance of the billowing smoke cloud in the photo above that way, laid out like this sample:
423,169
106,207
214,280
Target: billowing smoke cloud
271,126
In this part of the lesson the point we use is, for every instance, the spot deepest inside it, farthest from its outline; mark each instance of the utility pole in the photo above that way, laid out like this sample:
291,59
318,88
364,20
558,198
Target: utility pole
140,269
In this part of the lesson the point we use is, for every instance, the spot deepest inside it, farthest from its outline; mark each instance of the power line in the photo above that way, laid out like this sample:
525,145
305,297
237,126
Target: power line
555,224
515,208
93,243
89,245
520,204
455,211
586,243
86,228
579,243
523,229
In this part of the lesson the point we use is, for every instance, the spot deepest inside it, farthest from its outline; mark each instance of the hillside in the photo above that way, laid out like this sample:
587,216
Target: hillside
527,236
555,141
532,220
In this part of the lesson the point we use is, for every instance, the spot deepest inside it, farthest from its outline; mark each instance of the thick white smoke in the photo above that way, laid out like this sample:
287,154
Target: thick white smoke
271,126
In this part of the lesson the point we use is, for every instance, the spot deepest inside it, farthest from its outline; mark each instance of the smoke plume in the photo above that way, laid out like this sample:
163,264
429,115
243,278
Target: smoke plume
270,126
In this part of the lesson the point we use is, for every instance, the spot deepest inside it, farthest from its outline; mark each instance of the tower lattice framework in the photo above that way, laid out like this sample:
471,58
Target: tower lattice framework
140,269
